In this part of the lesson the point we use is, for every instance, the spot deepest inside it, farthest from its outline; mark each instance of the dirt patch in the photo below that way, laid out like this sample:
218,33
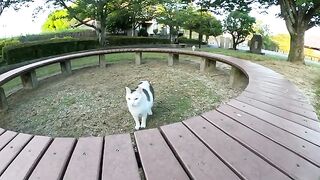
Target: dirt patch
92,102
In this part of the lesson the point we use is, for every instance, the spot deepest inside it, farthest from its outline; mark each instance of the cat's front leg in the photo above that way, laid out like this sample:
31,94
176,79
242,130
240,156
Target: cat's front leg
136,119
144,121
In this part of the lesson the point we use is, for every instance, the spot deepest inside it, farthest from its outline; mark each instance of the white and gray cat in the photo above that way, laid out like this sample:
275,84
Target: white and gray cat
140,102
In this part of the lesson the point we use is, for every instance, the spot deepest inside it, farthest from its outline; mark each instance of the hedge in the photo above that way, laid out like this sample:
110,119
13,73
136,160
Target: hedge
21,52
27,51
189,41
127,40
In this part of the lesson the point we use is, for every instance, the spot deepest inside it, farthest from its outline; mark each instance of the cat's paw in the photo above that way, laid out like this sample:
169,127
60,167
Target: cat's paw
137,127
143,126
150,112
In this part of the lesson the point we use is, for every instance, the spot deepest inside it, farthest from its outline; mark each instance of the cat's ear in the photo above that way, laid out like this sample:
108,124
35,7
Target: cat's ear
139,89
128,91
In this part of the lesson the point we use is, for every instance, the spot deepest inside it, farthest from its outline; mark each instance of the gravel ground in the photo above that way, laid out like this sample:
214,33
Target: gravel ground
91,102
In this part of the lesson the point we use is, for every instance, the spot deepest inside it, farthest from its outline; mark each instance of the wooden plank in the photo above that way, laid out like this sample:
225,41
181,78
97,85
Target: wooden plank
86,159
305,105
283,105
295,116
54,161
289,162
25,162
232,152
294,128
279,102
301,147
119,161
199,161
157,159
291,96
6,137
12,150
2,131
280,113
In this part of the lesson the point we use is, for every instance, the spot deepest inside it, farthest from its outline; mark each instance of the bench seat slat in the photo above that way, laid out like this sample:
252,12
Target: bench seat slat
54,161
119,161
293,116
292,127
233,152
278,101
85,160
298,145
25,162
289,162
157,159
199,161
278,106
12,150
6,137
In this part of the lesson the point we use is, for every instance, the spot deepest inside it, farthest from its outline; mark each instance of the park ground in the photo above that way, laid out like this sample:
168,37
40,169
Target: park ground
92,101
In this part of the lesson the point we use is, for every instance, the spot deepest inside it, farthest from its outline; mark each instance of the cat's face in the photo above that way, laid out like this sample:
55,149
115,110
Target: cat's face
134,98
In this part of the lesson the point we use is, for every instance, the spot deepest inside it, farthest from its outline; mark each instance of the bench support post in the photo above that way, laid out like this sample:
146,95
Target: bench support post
173,59
237,78
3,100
138,59
207,65
66,67
29,80
102,60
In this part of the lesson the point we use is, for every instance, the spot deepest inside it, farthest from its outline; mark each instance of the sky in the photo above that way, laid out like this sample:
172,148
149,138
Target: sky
15,23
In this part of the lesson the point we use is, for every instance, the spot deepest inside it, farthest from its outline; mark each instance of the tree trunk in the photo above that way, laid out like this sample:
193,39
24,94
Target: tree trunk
234,44
190,34
296,53
200,40
102,37
170,33
207,39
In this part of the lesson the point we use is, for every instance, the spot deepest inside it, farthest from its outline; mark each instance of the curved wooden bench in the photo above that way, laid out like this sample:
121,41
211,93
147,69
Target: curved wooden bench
270,131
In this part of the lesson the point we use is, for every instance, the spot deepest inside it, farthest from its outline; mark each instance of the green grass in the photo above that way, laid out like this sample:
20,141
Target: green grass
244,54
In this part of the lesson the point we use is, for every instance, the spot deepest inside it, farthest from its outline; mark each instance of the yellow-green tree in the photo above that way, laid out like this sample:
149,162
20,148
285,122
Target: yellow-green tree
57,21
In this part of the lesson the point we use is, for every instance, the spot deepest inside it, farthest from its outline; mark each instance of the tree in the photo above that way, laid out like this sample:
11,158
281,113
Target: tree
92,13
15,4
239,25
299,15
141,11
168,14
188,19
57,21
119,21
264,31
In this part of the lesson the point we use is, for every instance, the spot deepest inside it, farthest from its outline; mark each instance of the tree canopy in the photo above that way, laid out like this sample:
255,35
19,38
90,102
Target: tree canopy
15,4
239,25
57,21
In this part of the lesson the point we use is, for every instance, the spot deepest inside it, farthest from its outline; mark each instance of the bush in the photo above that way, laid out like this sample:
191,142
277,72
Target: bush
126,40
143,32
75,33
28,51
185,40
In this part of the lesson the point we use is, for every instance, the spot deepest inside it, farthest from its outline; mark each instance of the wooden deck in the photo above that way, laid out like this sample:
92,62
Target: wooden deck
269,132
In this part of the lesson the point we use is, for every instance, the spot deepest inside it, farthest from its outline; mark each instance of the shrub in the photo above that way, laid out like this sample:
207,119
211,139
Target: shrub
28,51
189,41
126,40
143,32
